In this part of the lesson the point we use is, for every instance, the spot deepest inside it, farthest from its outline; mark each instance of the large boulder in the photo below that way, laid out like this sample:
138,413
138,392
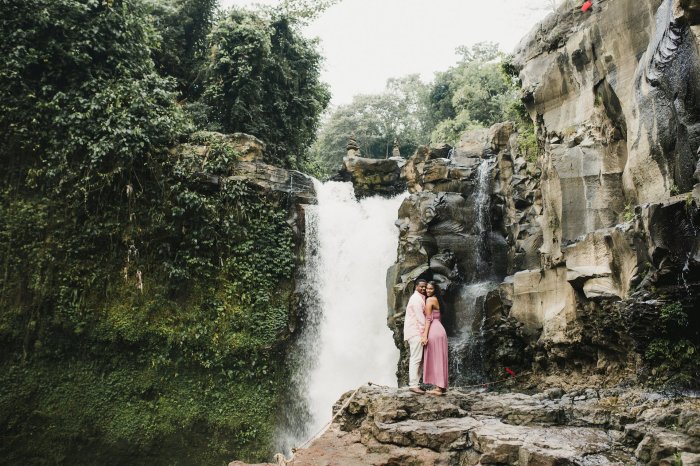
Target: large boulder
373,176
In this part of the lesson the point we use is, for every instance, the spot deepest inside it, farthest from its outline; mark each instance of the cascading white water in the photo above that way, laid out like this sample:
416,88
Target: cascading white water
357,244
347,342
465,359
482,203
464,346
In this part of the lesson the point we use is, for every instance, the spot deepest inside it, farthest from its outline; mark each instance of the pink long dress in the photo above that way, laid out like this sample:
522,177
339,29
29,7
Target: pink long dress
435,353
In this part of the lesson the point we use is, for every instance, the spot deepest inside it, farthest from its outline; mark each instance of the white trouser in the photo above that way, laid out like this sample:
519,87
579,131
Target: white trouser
415,359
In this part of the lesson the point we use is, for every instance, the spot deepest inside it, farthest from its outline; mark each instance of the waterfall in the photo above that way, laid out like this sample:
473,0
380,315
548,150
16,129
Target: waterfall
482,203
345,341
465,349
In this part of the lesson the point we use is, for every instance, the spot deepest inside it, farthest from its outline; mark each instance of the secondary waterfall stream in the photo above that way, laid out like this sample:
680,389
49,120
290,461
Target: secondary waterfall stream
346,341
465,349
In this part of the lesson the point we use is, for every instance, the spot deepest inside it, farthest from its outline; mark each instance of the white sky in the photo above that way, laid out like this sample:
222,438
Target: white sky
365,42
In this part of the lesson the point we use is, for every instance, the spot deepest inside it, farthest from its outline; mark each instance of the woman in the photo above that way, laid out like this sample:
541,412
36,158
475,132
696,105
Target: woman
435,351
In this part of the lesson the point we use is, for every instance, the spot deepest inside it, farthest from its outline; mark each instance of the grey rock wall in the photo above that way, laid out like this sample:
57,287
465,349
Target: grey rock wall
615,92
607,218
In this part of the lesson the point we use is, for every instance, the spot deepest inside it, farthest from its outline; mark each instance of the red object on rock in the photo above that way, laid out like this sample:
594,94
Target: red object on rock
510,371
586,5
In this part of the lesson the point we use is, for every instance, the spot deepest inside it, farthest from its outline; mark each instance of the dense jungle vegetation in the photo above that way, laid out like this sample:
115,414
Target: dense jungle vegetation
478,91
143,317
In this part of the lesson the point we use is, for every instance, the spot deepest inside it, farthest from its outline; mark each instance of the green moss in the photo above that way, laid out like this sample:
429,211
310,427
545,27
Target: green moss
186,370
118,410
673,356
527,144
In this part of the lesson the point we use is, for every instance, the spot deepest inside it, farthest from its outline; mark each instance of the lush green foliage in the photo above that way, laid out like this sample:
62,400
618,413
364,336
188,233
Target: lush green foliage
142,311
214,311
180,47
263,79
673,355
376,120
473,93
304,10
81,106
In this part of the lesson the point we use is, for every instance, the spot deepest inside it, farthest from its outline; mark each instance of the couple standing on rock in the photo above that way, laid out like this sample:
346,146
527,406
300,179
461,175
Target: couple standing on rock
426,338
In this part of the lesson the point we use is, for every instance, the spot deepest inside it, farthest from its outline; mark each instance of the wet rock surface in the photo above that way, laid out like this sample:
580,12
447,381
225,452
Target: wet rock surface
385,426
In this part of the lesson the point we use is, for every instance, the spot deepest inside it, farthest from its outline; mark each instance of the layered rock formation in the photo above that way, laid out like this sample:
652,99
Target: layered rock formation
597,237
445,235
247,165
383,426
371,176
615,94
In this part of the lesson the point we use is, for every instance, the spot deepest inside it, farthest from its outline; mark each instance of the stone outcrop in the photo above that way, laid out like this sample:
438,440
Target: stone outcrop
445,232
373,176
292,183
290,187
248,166
383,426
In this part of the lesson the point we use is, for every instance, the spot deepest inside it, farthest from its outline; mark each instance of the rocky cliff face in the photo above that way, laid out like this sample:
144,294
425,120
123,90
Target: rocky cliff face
582,255
615,95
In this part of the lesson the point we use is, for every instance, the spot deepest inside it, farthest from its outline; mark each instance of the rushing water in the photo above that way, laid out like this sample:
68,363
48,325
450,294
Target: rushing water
465,348
482,203
346,341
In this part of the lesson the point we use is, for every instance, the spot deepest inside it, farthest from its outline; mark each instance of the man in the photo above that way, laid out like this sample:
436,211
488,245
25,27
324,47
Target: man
413,326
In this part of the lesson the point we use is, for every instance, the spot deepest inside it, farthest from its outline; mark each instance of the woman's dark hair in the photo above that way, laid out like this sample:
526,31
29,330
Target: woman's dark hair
438,294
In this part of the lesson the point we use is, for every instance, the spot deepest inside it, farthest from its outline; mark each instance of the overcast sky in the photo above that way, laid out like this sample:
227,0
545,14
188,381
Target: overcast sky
365,42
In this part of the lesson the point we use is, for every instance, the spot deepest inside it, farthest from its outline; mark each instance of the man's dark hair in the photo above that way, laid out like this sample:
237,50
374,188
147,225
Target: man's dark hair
421,280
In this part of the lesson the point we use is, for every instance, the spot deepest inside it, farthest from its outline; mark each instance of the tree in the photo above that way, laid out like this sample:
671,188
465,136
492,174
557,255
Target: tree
263,78
474,93
304,10
180,46
81,105
376,120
